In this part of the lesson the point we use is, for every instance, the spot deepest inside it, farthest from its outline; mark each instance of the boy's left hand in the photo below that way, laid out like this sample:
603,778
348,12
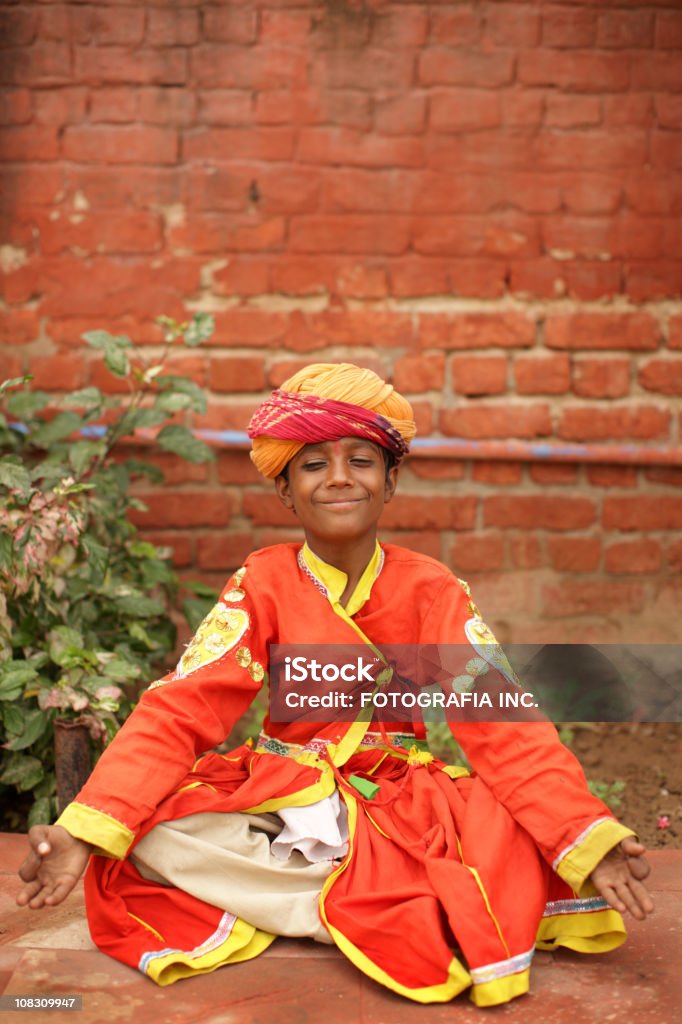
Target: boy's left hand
619,877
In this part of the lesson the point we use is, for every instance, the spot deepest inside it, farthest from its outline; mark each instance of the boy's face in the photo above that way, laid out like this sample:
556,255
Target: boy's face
338,489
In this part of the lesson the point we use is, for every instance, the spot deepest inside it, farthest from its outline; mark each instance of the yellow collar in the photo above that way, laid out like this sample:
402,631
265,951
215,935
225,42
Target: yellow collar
334,581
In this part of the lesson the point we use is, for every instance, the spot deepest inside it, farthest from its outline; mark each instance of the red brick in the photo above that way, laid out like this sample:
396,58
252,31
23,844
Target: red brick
172,27
628,110
501,474
477,552
435,468
174,469
135,185
525,551
480,279
442,66
237,373
590,423
675,331
666,149
522,108
303,275
224,106
660,280
258,68
266,538
662,375
27,142
15,106
377,329
476,330
663,74
371,191
184,508
361,281
68,330
231,187
625,29
668,30
669,475
539,511
416,276
566,111
59,106
241,277
630,331
278,26
364,68
488,421
237,468
553,473
589,280
350,233
578,71
542,375
18,26
133,232
404,27
553,151
464,110
265,509
500,234
601,378
113,105
101,377
107,25
225,551
226,414
18,326
59,372
479,375
217,233
250,328
630,557
564,26
638,512
400,115
612,476
456,26
45,63
230,25
97,64
226,143
573,597
166,106
674,556
601,238
423,417
515,26
669,111
574,554
136,144
436,512
416,374
180,545
343,107
426,542
332,145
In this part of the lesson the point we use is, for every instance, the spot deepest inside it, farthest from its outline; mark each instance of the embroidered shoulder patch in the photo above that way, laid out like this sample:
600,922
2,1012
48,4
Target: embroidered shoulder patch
483,641
221,630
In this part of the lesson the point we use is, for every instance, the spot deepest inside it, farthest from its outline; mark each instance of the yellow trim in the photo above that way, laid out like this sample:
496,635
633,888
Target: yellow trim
580,861
108,836
324,787
243,943
458,977
597,931
484,894
455,771
335,580
157,935
501,990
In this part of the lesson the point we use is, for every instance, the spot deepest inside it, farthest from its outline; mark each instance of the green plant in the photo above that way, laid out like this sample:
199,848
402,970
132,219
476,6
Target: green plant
84,602
609,792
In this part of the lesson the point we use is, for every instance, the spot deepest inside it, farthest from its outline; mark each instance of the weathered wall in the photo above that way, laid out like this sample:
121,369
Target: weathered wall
480,200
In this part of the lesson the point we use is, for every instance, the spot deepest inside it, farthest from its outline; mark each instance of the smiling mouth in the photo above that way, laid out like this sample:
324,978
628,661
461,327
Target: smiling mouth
347,503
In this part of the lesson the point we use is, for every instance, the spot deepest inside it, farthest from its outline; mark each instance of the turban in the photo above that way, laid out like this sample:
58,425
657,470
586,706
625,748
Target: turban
323,402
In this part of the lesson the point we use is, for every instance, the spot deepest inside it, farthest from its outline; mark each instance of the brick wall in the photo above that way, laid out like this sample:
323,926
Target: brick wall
480,200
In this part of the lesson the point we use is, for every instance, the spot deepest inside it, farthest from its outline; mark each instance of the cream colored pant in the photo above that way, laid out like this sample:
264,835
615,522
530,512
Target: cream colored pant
225,860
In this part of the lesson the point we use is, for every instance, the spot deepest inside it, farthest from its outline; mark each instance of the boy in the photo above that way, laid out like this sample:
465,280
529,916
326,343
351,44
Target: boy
429,878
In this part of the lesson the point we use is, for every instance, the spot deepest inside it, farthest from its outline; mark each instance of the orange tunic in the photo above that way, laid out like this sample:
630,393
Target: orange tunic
452,878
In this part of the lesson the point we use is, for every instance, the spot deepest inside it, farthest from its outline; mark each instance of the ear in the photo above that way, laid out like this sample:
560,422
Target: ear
284,492
391,483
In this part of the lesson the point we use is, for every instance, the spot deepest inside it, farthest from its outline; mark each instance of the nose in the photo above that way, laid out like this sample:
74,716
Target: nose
338,471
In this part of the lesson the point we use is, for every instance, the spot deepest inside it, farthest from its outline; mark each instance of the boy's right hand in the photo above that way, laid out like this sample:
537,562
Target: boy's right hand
55,863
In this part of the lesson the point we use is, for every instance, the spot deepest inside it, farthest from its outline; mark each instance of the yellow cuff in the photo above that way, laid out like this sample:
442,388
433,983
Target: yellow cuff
578,861
107,835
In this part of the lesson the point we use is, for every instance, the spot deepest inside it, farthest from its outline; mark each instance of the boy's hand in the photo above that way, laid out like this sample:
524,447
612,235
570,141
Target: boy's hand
52,868
619,877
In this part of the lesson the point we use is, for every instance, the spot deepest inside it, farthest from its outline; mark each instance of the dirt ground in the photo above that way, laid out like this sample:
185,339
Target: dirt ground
648,759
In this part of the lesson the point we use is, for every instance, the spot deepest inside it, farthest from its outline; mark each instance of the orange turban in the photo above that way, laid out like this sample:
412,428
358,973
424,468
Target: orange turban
330,397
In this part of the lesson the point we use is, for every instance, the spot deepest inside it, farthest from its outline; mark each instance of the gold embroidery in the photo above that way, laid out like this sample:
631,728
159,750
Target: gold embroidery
239,576
243,656
476,667
220,631
462,684
482,639
234,595
256,671
160,682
